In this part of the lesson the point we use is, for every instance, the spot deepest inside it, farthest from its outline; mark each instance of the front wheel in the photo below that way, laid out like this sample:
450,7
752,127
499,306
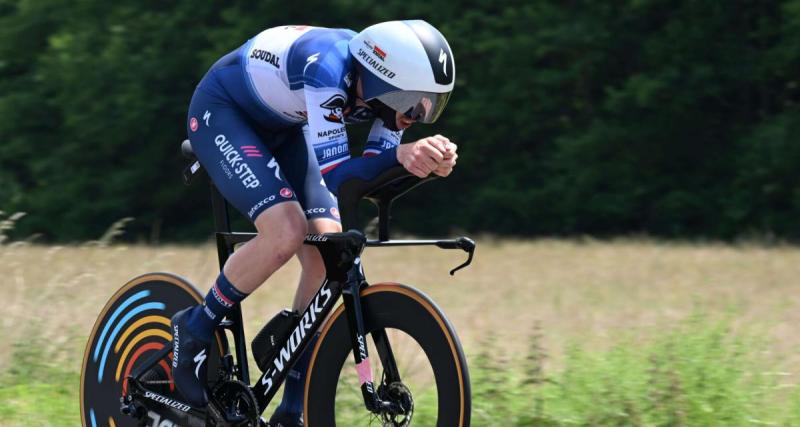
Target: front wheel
433,378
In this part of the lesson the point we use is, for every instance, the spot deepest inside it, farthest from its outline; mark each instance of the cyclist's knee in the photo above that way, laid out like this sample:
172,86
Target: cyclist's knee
282,228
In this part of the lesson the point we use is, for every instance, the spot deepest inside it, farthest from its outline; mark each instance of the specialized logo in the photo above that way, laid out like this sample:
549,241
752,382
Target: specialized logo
310,60
207,117
258,205
199,359
372,62
309,317
176,346
335,213
193,124
267,57
166,401
348,79
335,106
286,193
443,60
235,160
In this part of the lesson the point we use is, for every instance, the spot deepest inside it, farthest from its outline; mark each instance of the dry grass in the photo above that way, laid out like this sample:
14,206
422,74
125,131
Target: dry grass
588,292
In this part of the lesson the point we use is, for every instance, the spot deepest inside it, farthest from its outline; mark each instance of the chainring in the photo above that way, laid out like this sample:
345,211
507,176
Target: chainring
237,404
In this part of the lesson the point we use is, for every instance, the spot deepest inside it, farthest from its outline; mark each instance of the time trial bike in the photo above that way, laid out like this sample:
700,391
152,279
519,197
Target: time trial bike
126,377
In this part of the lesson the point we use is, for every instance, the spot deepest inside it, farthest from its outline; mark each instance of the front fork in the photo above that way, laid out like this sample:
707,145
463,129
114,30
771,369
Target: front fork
355,319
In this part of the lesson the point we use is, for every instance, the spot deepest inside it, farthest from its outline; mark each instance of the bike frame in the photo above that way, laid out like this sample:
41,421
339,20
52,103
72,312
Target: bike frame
344,278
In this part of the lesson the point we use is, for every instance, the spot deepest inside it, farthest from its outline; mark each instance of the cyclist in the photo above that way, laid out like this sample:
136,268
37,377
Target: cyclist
268,120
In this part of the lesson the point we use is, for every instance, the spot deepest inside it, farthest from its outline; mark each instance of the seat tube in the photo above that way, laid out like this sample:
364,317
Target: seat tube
355,320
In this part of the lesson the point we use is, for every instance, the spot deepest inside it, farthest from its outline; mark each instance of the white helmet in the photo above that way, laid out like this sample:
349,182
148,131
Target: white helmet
406,65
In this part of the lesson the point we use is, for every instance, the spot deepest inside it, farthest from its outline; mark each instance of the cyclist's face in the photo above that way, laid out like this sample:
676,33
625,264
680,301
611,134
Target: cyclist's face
403,121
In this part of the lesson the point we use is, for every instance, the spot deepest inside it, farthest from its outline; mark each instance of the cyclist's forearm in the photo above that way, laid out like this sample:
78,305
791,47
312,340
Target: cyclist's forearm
365,168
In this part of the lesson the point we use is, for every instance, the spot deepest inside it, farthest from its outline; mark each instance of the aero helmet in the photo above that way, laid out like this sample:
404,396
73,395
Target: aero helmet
406,65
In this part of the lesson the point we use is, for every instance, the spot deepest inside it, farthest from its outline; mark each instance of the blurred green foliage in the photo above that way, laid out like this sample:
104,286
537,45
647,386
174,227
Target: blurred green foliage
673,118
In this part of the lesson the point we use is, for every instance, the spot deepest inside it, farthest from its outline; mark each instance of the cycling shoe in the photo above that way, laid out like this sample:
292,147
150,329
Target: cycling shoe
189,361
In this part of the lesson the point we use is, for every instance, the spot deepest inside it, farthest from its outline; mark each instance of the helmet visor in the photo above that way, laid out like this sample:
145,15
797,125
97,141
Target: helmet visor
424,107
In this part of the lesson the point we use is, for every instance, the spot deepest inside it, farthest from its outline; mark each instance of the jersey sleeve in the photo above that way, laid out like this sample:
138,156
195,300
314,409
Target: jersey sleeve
381,139
326,130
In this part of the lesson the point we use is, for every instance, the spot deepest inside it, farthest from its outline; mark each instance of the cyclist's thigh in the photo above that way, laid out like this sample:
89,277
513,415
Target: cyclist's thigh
234,156
299,164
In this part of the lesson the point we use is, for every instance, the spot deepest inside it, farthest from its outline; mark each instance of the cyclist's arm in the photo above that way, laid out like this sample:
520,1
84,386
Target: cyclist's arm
380,153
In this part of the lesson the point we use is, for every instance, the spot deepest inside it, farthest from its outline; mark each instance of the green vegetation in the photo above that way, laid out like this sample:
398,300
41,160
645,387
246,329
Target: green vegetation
674,118
699,373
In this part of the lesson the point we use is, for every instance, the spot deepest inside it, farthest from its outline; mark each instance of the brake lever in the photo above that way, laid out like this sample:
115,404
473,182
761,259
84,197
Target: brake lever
467,245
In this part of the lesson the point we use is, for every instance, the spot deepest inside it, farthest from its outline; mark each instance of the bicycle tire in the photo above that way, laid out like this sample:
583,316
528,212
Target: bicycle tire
391,306
134,322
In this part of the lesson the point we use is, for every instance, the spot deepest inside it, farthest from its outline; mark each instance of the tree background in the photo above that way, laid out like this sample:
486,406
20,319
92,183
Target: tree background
673,118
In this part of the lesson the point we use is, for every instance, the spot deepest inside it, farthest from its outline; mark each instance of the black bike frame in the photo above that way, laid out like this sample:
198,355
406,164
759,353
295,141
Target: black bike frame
344,278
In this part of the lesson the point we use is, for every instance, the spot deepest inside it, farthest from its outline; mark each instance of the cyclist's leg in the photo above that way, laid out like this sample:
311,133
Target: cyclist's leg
244,171
300,165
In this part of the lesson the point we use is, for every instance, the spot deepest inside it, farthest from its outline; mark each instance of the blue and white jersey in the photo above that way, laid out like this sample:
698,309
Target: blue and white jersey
303,75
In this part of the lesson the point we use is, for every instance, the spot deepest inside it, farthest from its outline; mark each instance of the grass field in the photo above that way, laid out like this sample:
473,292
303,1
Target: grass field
581,333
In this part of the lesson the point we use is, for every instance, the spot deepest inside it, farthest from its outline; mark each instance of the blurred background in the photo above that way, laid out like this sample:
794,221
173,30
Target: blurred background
666,118
628,168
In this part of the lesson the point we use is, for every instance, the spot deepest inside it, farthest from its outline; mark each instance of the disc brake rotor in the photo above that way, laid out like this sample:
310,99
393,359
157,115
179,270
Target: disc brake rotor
399,394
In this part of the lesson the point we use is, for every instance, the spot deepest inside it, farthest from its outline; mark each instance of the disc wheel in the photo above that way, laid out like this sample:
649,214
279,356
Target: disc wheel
134,324
433,385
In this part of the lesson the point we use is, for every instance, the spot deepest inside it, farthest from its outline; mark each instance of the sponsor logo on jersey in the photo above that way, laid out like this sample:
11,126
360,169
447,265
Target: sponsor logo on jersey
348,79
286,193
330,133
335,213
193,124
372,62
207,117
267,57
335,106
315,211
335,151
238,167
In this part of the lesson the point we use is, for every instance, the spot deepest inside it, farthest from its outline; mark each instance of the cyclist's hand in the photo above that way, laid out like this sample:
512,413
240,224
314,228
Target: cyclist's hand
421,157
449,156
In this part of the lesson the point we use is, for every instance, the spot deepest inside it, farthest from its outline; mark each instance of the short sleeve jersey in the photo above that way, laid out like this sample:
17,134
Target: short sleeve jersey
303,75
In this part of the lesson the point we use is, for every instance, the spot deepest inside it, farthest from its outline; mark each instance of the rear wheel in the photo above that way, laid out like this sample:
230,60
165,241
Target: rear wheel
433,384
134,324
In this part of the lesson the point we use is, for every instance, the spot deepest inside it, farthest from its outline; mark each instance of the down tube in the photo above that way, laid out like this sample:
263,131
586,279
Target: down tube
316,312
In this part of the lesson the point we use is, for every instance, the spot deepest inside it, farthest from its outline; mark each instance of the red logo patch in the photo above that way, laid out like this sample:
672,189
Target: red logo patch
286,193
193,124
335,212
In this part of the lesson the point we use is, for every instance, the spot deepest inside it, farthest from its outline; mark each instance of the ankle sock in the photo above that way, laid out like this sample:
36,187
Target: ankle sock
219,302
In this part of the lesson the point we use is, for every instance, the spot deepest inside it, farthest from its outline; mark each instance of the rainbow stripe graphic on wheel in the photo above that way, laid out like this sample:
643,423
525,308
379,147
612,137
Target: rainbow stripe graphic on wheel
134,324
106,340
